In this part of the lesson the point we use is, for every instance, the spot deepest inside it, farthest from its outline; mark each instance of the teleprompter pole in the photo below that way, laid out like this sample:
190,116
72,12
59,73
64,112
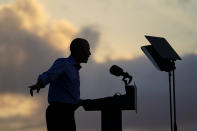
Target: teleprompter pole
170,95
175,124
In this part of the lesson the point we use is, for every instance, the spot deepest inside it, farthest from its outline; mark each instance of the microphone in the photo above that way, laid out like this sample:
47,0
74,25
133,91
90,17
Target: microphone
117,71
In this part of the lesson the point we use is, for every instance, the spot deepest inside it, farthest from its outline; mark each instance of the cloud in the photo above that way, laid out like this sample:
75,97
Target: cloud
30,17
101,51
195,52
28,37
106,51
184,1
18,111
92,34
13,105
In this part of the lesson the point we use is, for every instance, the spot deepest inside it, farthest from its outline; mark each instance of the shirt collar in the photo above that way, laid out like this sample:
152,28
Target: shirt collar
74,62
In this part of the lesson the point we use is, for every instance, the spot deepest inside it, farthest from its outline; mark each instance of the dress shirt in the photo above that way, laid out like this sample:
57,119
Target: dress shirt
63,77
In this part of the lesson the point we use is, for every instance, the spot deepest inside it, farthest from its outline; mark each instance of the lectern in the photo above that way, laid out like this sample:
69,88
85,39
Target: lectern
111,107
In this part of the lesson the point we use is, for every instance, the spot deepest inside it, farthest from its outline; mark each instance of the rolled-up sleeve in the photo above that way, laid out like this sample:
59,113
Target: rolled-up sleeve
54,72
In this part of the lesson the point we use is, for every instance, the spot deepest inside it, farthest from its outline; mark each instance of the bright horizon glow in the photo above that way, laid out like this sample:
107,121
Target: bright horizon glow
13,105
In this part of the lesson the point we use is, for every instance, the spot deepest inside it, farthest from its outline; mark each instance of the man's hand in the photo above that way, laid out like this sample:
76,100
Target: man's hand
36,86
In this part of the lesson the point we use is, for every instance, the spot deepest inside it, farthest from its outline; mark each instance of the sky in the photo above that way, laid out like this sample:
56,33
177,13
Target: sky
34,33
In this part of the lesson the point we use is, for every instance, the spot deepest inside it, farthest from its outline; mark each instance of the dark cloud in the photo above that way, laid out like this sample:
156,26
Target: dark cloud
21,59
25,43
92,34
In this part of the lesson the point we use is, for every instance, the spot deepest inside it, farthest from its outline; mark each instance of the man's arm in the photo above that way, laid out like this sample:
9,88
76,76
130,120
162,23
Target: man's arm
56,70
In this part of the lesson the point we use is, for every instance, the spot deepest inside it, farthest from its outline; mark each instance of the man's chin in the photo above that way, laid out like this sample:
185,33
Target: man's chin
85,61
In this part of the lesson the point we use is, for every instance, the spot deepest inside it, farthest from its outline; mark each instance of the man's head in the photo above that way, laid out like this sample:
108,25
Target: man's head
80,50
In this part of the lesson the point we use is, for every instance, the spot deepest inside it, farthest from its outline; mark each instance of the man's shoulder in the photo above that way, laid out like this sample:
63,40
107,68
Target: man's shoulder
61,59
64,61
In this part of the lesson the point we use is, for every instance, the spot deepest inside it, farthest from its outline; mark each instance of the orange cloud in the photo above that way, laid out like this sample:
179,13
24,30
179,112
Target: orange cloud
106,53
114,57
60,34
17,105
195,52
30,16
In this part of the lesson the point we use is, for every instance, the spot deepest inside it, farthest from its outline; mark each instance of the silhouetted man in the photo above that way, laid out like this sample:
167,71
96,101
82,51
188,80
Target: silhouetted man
64,89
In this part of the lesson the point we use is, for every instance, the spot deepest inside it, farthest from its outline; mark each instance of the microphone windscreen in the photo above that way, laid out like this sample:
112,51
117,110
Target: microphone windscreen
116,70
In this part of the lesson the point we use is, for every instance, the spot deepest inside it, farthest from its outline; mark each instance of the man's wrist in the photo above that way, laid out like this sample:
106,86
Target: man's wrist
40,84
